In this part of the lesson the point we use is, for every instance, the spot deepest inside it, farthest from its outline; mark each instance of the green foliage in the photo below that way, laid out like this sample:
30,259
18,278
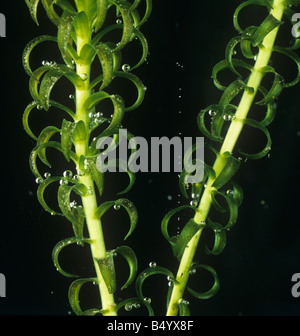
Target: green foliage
81,40
79,21
224,193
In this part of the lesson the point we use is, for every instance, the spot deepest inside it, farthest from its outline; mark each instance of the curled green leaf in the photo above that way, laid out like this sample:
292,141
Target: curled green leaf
74,291
220,238
127,205
57,249
131,258
168,216
231,166
149,272
213,290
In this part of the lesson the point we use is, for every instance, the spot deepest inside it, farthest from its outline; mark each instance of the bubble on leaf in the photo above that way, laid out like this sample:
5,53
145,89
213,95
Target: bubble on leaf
125,67
152,264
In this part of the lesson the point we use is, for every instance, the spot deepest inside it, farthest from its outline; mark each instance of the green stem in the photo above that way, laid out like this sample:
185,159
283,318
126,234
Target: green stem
89,202
228,146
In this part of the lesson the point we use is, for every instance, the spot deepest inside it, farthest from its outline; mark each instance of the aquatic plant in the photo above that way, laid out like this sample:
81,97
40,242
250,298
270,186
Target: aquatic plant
81,29
218,192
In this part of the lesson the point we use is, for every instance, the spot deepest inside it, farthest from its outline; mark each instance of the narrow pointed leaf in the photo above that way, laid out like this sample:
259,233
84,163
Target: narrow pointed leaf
131,258
107,269
67,131
40,194
30,46
64,192
180,242
231,166
220,238
74,291
64,34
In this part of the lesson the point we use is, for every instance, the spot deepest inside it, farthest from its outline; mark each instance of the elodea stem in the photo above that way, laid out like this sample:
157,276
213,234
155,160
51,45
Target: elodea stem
89,201
230,140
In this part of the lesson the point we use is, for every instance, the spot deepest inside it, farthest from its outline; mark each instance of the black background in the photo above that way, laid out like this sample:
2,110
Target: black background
263,248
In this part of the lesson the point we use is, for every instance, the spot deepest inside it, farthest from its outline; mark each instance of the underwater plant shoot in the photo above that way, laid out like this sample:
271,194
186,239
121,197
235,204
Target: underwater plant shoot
159,171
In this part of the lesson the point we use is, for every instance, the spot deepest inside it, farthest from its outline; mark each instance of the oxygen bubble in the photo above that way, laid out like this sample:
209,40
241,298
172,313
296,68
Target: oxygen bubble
71,96
39,107
119,21
125,67
147,300
212,113
68,173
169,197
84,76
128,307
227,117
38,180
117,206
229,192
193,203
152,264
47,175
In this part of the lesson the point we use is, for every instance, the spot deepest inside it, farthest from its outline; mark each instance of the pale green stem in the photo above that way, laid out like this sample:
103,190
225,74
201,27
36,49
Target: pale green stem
94,225
228,145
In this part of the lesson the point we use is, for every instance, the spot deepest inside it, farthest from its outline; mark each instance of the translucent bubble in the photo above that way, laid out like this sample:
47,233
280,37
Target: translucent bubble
119,21
192,271
71,96
227,117
39,107
47,175
84,76
193,203
68,173
212,113
38,180
152,264
229,192
128,307
117,206
147,300
125,67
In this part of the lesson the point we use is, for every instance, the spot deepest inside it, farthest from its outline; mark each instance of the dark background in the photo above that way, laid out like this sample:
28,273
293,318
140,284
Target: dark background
186,39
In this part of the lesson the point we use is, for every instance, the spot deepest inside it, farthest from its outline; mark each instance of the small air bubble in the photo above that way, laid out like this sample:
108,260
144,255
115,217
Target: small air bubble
128,307
147,300
68,173
117,206
119,21
38,180
125,67
152,264
84,76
